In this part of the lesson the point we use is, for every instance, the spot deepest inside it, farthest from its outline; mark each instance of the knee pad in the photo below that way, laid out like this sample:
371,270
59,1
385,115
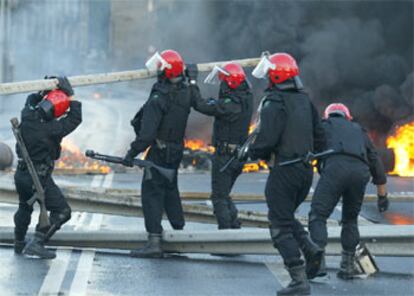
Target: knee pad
60,218
279,234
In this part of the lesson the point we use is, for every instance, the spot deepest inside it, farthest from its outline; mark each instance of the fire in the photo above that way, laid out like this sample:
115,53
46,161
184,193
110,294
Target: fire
73,159
402,142
198,144
255,167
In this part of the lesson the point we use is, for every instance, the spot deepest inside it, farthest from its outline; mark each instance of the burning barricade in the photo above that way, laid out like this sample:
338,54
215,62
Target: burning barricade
402,145
73,161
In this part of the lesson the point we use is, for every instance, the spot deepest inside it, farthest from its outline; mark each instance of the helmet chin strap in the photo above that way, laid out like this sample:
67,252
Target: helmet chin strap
176,80
294,83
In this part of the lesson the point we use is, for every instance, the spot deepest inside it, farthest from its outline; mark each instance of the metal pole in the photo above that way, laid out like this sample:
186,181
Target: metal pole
83,80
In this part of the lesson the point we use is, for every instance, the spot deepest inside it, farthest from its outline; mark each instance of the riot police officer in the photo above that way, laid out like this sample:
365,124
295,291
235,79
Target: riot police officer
160,126
289,128
44,123
345,174
232,113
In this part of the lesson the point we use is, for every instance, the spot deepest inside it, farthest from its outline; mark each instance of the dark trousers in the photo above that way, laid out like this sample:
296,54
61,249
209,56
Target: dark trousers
158,194
341,176
286,188
221,185
54,200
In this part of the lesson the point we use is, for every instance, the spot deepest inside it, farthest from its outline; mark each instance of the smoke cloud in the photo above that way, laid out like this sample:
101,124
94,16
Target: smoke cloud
356,52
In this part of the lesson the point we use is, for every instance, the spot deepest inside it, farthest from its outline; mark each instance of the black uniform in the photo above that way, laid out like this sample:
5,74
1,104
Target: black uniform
289,128
42,139
232,111
160,125
344,174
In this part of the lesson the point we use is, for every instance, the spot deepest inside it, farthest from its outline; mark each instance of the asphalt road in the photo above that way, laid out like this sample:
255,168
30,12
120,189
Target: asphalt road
94,272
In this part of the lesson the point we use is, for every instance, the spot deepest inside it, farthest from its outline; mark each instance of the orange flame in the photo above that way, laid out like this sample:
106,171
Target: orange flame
255,167
198,144
72,158
402,142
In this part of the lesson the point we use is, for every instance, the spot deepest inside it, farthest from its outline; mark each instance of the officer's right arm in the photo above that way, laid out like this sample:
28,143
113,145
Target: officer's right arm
319,137
204,106
151,118
272,125
64,126
376,166
33,99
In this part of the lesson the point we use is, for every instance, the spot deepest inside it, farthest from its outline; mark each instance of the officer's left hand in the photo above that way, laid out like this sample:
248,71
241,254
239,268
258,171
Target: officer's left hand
65,86
128,160
191,71
383,203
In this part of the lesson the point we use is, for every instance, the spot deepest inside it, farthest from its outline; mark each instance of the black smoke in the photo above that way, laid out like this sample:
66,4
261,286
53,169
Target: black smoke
356,52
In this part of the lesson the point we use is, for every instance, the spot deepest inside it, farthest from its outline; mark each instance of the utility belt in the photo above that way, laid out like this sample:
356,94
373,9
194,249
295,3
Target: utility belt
43,169
361,158
225,148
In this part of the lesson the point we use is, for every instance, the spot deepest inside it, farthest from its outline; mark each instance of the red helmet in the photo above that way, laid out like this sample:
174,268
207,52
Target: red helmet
285,67
175,62
54,104
236,75
337,108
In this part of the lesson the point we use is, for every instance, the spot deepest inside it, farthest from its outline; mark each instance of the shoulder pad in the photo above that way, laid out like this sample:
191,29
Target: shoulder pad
275,97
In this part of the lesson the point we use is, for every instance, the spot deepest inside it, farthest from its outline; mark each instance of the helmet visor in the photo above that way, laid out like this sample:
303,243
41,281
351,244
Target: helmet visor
156,62
213,76
263,67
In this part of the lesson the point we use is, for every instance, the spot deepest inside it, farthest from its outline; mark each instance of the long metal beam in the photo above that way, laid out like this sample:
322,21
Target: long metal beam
384,240
83,80
108,202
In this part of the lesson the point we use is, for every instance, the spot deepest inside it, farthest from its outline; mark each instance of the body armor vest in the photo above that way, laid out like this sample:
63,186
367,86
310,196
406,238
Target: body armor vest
174,122
345,137
234,130
297,138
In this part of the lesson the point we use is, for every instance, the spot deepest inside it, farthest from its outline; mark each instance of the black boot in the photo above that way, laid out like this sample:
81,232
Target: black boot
36,247
152,249
19,246
348,269
299,284
322,269
313,255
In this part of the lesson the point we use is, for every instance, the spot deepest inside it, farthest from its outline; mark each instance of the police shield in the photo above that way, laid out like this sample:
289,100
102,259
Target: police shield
156,62
260,71
213,76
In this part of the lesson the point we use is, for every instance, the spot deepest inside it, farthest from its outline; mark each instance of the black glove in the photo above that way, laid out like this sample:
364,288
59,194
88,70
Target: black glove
45,92
129,159
383,203
64,85
191,71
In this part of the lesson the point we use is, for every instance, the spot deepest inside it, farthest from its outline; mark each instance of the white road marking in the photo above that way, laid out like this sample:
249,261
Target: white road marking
97,181
279,271
85,264
107,183
54,278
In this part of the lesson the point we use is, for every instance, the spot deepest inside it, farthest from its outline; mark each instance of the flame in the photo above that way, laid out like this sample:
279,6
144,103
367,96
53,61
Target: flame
72,158
198,144
402,142
255,167
399,219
